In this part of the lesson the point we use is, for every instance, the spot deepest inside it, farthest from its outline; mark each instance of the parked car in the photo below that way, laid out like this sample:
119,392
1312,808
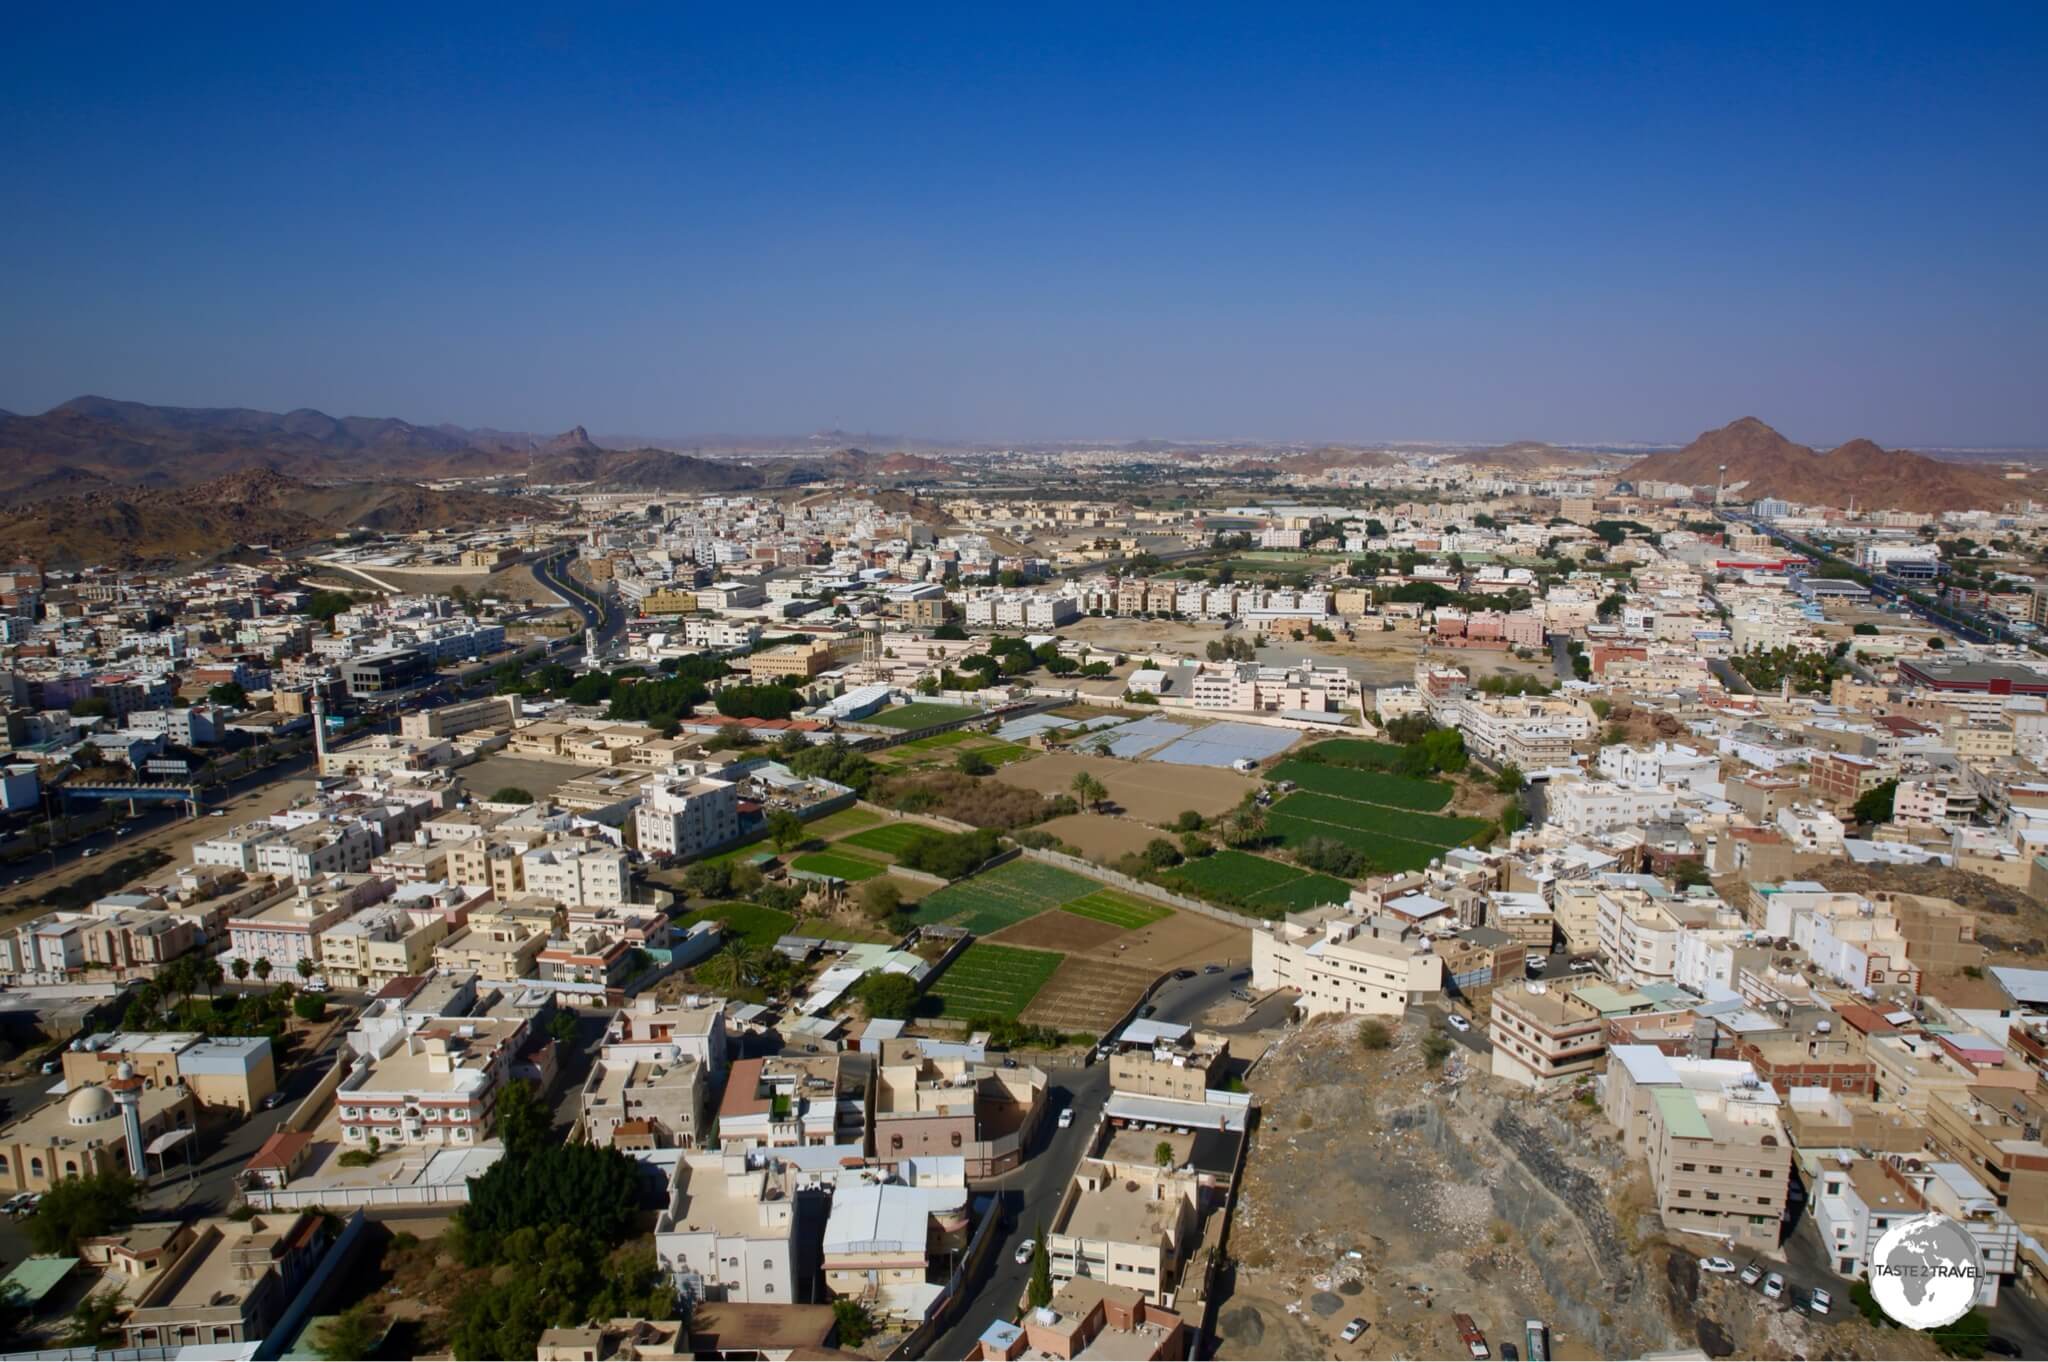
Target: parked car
274,1101
1582,966
1774,1286
1147,1010
1206,969
1820,1302
51,1066
89,851
1750,1272
1535,964
1353,1330
1722,1265
1183,974
1066,1117
1243,995
1024,1249
218,813
1458,1023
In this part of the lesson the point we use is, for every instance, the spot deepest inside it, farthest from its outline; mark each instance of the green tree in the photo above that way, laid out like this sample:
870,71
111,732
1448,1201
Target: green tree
562,1027
973,764
1088,790
305,967
854,1321
525,1125
734,968
1039,1293
893,996
1510,779
228,693
880,898
82,1207
1875,804
1375,1034
309,1007
1689,872
353,1333
709,879
785,829
1436,1048
1162,1153
1160,853
263,968
1188,821
241,968
96,1322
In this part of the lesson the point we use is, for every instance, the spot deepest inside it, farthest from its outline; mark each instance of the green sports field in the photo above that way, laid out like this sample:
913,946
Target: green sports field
850,868
1119,910
919,714
989,980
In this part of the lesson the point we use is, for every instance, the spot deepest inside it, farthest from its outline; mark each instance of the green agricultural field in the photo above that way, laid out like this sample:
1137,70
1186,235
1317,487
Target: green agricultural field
1006,753
850,868
1428,828
1369,787
1119,910
844,821
1013,891
1387,854
1310,891
988,980
933,742
889,839
1236,873
919,714
749,922
1359,752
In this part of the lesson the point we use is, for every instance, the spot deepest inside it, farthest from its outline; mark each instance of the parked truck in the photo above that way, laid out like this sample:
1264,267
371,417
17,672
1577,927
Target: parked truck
1475,1342
1535,1340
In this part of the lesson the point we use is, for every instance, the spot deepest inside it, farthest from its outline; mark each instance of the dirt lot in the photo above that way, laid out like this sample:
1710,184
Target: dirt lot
1087,995
1150,790
1101,837
1460,1192
1057,931
538,778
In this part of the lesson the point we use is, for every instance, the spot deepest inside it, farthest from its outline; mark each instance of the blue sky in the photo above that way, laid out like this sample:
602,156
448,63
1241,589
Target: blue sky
1041,221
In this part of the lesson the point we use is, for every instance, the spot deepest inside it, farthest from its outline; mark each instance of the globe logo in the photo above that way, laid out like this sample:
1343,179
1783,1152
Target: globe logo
1924,1272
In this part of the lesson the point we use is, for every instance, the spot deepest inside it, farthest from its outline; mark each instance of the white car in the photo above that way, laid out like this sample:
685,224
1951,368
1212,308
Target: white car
1721,1265
218,813
1535,962
1024,1251
1582,966
1820,1301
1066,1117
1353,1330
1774,1286
1457,1023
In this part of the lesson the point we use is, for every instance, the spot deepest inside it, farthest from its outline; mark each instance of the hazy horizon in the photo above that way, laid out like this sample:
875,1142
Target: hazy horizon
1042,225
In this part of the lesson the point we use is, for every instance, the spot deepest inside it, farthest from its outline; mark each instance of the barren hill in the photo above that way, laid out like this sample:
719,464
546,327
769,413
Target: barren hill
1764,463
134,525
1523,456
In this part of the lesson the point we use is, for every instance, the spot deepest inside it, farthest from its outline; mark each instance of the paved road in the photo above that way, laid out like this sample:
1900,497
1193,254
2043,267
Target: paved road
1561,658
1732,679
1031,1194
156,825
608,622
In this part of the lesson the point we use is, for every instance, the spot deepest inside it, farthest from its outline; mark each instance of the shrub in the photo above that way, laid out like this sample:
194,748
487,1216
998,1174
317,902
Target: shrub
511,794
1375,1034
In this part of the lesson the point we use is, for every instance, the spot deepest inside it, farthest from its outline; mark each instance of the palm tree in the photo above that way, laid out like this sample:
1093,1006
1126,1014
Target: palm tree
212,973
305,967
263,968
738,965
1088,789
241,968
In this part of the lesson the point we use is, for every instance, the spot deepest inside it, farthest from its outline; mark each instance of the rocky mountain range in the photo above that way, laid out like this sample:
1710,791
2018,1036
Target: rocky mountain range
1762,462
1525,456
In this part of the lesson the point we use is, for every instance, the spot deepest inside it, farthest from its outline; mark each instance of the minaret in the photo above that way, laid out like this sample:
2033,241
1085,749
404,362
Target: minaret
127,1091
1720,480
320,733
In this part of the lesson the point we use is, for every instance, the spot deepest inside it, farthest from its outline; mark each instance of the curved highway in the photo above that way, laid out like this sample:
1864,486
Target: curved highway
607,619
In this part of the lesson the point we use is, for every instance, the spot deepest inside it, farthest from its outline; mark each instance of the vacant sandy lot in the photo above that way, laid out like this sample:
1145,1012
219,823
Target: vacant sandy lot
1102,837
1149,790
538,778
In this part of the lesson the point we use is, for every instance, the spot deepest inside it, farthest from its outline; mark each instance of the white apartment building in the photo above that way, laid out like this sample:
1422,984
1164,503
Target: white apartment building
687,815
1588,808
1247,687
729,1231
1639,937
1647,768
1346,965
435,1086
578,874
1529,731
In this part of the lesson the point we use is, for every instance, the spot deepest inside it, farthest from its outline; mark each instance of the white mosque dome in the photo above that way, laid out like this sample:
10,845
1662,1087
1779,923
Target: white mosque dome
89,1104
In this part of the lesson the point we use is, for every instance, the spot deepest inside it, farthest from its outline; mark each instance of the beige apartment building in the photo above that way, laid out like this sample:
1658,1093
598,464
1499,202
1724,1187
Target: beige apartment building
1158,1059
497,950
799,660
231,1282
1544,1035
1713,1134
437,1086
235,1072
446,721
379,945
484,860
1995,1132
925,1107
1126,1224
636,1104
1346,965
